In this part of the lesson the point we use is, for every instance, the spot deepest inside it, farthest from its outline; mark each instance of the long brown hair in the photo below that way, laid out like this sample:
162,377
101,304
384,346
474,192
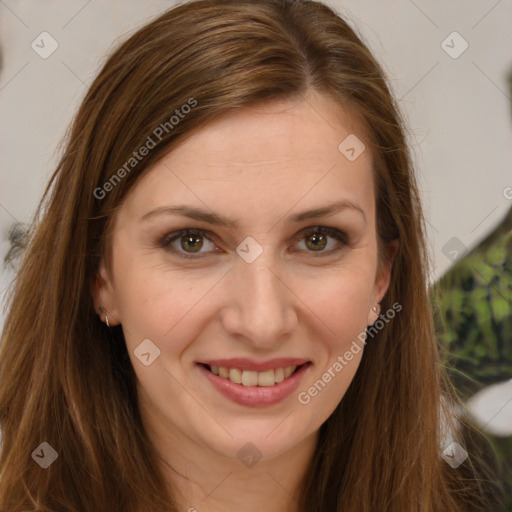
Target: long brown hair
67,380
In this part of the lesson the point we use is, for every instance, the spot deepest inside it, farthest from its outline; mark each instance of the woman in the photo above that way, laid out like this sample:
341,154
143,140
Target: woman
224,305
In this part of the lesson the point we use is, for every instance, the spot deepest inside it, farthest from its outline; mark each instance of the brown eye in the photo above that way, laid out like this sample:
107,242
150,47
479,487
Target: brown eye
190,242
316,239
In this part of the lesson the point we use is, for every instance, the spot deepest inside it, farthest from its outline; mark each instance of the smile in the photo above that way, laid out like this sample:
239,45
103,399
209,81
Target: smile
254,388
253,378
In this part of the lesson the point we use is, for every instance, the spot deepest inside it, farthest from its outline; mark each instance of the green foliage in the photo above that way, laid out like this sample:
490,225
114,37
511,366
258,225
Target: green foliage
472,306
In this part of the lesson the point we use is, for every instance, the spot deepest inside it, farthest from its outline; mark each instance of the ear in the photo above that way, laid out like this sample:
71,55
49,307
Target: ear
382,280
102,292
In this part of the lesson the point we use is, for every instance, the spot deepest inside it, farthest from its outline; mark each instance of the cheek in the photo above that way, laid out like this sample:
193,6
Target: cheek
155,311
342,304
344,309
342,299
152,300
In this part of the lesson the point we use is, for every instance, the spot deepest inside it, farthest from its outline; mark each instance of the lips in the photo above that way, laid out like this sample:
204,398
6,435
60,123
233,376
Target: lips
253,394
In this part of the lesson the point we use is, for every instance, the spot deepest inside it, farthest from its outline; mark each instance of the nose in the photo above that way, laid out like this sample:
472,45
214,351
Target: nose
261,305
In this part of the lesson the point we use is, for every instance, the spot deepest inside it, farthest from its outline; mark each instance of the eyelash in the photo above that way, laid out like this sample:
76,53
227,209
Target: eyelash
166,241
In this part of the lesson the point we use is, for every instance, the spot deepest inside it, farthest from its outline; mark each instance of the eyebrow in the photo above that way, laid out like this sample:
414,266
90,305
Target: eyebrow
218,220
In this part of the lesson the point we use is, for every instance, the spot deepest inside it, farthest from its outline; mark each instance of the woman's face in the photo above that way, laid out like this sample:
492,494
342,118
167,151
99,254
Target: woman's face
264,293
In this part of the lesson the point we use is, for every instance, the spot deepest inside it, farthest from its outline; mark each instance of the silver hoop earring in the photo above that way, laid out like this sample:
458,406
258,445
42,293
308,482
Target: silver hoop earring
102,310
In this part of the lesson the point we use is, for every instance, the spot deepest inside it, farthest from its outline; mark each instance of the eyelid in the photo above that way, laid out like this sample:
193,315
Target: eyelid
332,232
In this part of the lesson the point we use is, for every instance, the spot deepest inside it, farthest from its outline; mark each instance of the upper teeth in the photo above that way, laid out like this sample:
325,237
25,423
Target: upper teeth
250,378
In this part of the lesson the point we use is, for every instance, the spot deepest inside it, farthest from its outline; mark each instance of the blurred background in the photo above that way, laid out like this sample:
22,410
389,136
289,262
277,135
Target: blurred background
450,67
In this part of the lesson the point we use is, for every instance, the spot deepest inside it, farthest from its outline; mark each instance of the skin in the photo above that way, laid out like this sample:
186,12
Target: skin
259,166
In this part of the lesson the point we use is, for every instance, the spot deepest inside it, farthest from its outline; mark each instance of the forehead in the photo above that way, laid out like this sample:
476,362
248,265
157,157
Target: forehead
265,158
284,129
